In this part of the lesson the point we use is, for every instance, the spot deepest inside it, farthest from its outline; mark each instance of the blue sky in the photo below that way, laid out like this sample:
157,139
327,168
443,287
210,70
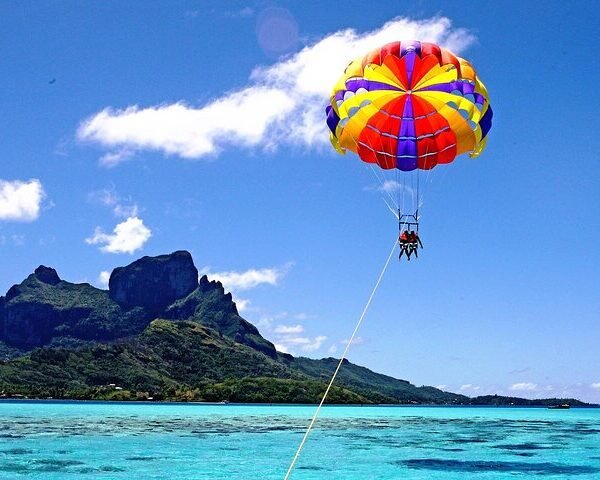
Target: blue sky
146,127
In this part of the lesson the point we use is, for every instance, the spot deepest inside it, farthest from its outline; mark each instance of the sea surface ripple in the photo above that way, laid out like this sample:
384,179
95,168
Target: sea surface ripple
58,440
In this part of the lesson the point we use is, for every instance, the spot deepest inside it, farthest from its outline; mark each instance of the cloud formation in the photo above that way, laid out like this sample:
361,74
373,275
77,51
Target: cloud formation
355,341
291,344
242,304
469,388
523,387
127,237
122,208
112,159
20,201
289,338
246,280
236,281
390,186
103,279
289,329
282,104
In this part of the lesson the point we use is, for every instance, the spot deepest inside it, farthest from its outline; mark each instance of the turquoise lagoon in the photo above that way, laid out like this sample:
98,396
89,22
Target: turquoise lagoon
62,440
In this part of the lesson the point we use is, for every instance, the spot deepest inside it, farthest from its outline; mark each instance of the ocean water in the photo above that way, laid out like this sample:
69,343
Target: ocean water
63,440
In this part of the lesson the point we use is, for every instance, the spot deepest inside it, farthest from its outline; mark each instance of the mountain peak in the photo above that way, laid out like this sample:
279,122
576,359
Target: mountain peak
46,275
154,282
207,285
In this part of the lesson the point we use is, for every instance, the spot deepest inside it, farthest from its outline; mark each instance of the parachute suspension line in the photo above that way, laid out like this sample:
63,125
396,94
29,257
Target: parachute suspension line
412,191
395,211
403,192
398,187
339,365
427,183
418,199
418,185
382,185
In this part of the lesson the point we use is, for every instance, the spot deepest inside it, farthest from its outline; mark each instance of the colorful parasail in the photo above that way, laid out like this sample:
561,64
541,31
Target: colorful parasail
409,105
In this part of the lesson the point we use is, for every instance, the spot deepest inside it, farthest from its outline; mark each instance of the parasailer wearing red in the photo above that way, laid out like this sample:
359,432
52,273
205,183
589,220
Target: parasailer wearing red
404,243
414,243
415,239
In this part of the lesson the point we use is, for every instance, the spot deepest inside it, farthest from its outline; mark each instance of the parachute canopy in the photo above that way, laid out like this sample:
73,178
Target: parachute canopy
409,105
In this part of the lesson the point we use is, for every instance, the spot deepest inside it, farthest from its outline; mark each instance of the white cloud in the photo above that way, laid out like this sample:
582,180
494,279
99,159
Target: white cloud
332,349
105,196
283,103
103,279
469,387
289,329
112,159
126,211
306,344
127,237
292,344
595,386
122,208
240,118
264,324
289,338
282,348
390,186
314,344
441,387
236,281
21,201
355,341
17,240
523,387
242,304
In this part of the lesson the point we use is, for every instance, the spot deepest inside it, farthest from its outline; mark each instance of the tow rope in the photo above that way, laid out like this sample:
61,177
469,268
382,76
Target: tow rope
339,365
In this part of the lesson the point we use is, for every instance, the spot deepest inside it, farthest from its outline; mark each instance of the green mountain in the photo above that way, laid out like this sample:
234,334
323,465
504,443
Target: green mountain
160,333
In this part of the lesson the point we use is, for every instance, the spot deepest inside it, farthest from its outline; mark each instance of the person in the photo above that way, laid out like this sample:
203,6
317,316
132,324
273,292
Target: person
416,239
412,245
404,242
414,242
